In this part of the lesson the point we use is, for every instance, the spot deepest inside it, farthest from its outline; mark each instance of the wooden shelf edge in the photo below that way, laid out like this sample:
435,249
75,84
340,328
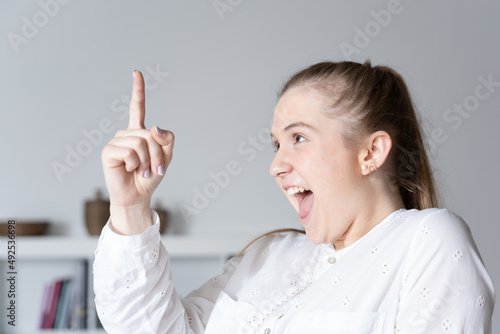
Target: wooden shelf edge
60,247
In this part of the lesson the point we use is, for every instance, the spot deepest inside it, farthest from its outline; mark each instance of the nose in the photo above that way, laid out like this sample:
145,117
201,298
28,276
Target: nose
280,166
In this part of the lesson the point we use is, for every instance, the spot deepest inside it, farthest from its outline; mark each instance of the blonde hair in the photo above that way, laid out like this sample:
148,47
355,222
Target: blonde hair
266,234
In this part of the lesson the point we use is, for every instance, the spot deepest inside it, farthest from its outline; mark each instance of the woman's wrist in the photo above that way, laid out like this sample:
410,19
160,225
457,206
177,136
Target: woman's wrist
131,220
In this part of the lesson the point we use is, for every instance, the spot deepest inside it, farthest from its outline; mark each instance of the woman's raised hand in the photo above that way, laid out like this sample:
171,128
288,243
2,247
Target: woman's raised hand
134,164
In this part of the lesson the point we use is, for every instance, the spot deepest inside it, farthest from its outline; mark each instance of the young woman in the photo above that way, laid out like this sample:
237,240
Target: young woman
377,255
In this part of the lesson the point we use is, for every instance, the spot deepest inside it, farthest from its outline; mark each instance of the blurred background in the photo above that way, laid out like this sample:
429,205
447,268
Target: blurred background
212,71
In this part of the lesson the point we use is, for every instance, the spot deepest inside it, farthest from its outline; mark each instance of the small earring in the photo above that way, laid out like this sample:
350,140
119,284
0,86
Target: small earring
371,169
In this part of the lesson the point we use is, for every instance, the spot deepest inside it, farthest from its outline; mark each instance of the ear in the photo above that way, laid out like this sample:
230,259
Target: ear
374,152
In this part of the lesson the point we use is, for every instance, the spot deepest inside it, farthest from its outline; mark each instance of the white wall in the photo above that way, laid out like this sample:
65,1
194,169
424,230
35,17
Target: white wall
69,74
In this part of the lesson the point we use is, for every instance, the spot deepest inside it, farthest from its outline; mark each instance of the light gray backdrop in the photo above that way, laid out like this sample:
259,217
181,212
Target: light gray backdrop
213,70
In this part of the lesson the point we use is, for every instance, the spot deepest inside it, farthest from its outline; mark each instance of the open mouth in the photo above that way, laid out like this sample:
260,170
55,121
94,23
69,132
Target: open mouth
305,199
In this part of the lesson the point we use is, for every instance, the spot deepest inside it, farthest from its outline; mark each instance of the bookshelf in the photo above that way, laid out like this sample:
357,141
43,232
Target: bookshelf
43,259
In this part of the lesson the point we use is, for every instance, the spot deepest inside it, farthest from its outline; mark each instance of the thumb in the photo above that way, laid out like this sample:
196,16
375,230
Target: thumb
166,140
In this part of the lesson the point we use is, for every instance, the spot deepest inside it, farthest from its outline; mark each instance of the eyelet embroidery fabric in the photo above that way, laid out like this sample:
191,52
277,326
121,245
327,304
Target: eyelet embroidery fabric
416,257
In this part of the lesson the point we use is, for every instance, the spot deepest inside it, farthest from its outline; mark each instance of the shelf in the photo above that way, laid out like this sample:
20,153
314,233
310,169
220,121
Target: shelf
60,247
41,259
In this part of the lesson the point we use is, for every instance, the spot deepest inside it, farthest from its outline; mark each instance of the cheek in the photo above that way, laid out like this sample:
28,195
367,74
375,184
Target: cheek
338,177
331,167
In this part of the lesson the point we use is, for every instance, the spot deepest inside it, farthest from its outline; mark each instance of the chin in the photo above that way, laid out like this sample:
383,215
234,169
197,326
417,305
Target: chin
316,238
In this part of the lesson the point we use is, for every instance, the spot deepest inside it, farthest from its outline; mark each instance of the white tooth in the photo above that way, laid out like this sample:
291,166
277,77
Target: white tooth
295,190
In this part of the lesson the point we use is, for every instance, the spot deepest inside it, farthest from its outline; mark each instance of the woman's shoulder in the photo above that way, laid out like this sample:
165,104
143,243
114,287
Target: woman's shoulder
440,231
439,222
443,271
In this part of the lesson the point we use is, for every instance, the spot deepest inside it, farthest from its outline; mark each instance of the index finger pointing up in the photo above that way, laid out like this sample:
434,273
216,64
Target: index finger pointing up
137,111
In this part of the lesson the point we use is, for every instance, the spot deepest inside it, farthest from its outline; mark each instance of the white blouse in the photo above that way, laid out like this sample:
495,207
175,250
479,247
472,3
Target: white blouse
415,272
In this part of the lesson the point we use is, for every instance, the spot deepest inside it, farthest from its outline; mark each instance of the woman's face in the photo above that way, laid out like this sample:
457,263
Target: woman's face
319,175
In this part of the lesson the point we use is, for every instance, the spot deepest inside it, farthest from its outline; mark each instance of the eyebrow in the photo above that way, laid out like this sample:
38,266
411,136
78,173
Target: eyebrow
296,125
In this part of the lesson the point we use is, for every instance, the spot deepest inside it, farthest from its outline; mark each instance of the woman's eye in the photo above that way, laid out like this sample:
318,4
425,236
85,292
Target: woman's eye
276,146
299,138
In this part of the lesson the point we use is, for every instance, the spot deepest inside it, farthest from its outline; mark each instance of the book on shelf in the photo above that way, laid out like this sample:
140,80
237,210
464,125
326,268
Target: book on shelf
64,302
80,295
53,302
45,308
60,320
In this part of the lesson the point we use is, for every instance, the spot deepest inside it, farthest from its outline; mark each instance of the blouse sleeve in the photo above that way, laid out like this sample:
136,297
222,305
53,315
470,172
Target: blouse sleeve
446,288
134,291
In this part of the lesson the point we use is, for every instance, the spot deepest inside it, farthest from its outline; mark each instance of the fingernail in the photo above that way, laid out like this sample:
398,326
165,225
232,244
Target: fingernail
147,173
133,74
161,170
159,131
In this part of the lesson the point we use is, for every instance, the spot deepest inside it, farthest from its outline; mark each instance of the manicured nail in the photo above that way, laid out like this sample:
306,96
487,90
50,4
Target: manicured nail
159,131
147,173
161,170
